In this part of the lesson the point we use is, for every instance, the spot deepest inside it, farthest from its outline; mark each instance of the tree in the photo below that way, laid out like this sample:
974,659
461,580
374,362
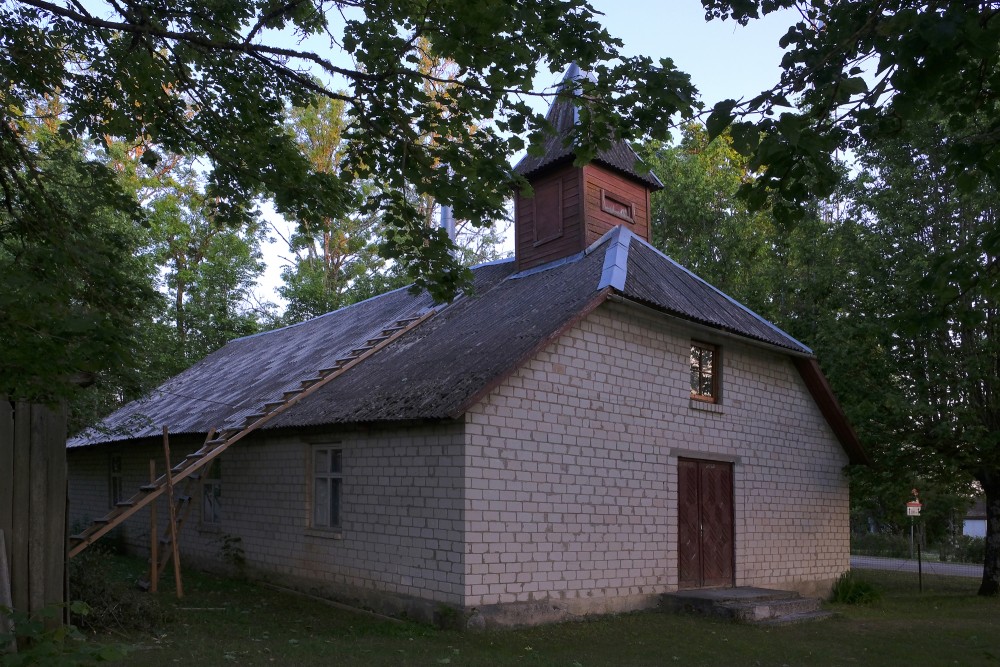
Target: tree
76,284
334,253
217,82
335,261
790,274
857,70
939,305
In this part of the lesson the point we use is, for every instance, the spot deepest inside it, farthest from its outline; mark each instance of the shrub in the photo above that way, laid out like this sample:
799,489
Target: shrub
42,640
849,589
114,602
970,549
880,544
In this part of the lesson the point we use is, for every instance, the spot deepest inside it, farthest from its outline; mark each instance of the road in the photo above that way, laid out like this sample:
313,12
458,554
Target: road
903,565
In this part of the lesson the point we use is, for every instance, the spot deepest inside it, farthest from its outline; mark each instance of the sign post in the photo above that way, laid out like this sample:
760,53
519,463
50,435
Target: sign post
913,511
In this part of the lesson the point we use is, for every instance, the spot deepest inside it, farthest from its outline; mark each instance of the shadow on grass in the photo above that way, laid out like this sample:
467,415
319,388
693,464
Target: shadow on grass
225,622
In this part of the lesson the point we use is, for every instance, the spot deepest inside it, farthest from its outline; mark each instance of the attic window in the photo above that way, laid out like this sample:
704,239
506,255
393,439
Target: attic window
704,372
617,206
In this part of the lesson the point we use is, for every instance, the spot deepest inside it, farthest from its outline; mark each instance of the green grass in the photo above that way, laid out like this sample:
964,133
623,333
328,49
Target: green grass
226,622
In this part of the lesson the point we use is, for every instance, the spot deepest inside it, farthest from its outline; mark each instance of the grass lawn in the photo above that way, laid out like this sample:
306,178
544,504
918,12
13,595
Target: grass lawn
226,622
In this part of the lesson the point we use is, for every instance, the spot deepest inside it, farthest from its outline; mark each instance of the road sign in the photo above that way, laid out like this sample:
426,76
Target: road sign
913,508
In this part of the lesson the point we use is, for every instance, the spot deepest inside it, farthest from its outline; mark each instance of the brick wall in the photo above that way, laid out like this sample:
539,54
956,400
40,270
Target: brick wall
572,471
401,506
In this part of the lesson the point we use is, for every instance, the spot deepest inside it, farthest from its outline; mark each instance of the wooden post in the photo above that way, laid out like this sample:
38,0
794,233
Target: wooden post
154,538
173,515
5,600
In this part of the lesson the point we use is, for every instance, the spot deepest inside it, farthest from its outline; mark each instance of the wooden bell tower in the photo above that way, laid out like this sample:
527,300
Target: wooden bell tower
571,207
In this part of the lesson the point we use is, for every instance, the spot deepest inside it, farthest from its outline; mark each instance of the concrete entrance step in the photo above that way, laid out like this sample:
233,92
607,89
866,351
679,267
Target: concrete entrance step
746,605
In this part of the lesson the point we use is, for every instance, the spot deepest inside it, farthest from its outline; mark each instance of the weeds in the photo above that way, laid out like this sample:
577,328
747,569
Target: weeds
850,589
43,640
114,603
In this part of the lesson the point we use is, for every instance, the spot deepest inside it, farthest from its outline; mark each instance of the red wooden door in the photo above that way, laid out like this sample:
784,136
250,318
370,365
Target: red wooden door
705,523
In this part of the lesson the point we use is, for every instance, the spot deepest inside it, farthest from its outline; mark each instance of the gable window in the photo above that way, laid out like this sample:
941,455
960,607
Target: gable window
704,372
328,477
114,480
211,495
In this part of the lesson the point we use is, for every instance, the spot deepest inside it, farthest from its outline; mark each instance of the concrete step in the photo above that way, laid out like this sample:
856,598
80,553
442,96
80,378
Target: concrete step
745,605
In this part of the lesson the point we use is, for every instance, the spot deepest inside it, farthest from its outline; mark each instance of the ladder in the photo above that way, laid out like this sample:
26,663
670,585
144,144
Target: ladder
215,446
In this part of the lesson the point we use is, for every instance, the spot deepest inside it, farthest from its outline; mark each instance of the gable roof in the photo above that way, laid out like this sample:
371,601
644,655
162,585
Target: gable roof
563,116
447,363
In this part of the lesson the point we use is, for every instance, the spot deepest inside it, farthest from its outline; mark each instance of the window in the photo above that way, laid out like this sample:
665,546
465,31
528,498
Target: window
548,214
211,494
114,480
704,372
327,479
617,206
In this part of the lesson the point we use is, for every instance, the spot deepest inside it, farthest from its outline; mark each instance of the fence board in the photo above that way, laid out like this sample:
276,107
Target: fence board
6,471
55,505
21,509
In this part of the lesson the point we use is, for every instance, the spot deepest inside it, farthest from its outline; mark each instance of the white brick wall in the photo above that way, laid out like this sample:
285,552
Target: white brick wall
572,469
401,509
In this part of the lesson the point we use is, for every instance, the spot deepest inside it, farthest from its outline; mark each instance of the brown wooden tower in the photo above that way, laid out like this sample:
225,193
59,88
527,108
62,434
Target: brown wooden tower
571,207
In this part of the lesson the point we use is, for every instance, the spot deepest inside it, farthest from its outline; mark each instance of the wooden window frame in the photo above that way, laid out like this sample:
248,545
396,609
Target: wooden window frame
628,215
334,480
696,394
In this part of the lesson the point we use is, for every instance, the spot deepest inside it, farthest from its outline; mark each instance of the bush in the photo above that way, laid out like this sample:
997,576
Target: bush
114,602
970,549
43,640
849,589
880,544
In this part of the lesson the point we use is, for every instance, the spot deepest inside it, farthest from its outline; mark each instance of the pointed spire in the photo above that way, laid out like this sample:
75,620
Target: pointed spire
563,115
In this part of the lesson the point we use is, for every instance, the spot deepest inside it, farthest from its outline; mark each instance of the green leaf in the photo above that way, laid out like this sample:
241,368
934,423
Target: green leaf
720,118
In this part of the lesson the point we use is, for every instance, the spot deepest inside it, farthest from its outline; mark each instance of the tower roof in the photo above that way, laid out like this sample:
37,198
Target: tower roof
563,115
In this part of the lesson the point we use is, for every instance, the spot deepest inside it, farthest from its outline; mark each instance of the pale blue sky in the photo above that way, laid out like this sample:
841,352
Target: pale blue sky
724,59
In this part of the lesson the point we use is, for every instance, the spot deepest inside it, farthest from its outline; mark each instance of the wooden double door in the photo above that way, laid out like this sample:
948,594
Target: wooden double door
705,523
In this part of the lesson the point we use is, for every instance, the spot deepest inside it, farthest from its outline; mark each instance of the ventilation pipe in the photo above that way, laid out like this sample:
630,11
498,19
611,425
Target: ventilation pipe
448,221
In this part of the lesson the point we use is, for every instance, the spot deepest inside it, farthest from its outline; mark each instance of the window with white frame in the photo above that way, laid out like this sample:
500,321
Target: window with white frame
211,495
328,477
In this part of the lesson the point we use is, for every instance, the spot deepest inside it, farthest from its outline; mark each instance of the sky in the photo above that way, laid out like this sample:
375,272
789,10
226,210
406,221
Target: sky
724,59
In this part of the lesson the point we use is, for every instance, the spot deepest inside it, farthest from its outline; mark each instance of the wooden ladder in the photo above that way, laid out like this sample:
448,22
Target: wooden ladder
215,446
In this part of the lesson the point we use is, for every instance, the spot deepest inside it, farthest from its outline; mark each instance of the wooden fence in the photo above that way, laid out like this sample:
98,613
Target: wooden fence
33,503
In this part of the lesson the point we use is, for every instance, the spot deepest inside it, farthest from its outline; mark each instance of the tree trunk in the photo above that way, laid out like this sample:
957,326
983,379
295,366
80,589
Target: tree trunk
991,565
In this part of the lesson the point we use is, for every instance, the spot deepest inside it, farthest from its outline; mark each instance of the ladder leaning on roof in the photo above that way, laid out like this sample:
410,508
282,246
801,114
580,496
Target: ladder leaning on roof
214,446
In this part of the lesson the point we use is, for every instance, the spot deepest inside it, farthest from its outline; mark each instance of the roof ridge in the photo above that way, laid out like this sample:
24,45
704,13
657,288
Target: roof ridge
728,298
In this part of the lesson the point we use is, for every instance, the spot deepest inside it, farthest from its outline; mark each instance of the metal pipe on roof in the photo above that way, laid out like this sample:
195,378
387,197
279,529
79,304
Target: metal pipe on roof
448,221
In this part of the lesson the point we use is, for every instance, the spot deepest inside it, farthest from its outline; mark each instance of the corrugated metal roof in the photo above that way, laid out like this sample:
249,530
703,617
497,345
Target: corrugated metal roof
655,279
247,372
562,115
434,370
